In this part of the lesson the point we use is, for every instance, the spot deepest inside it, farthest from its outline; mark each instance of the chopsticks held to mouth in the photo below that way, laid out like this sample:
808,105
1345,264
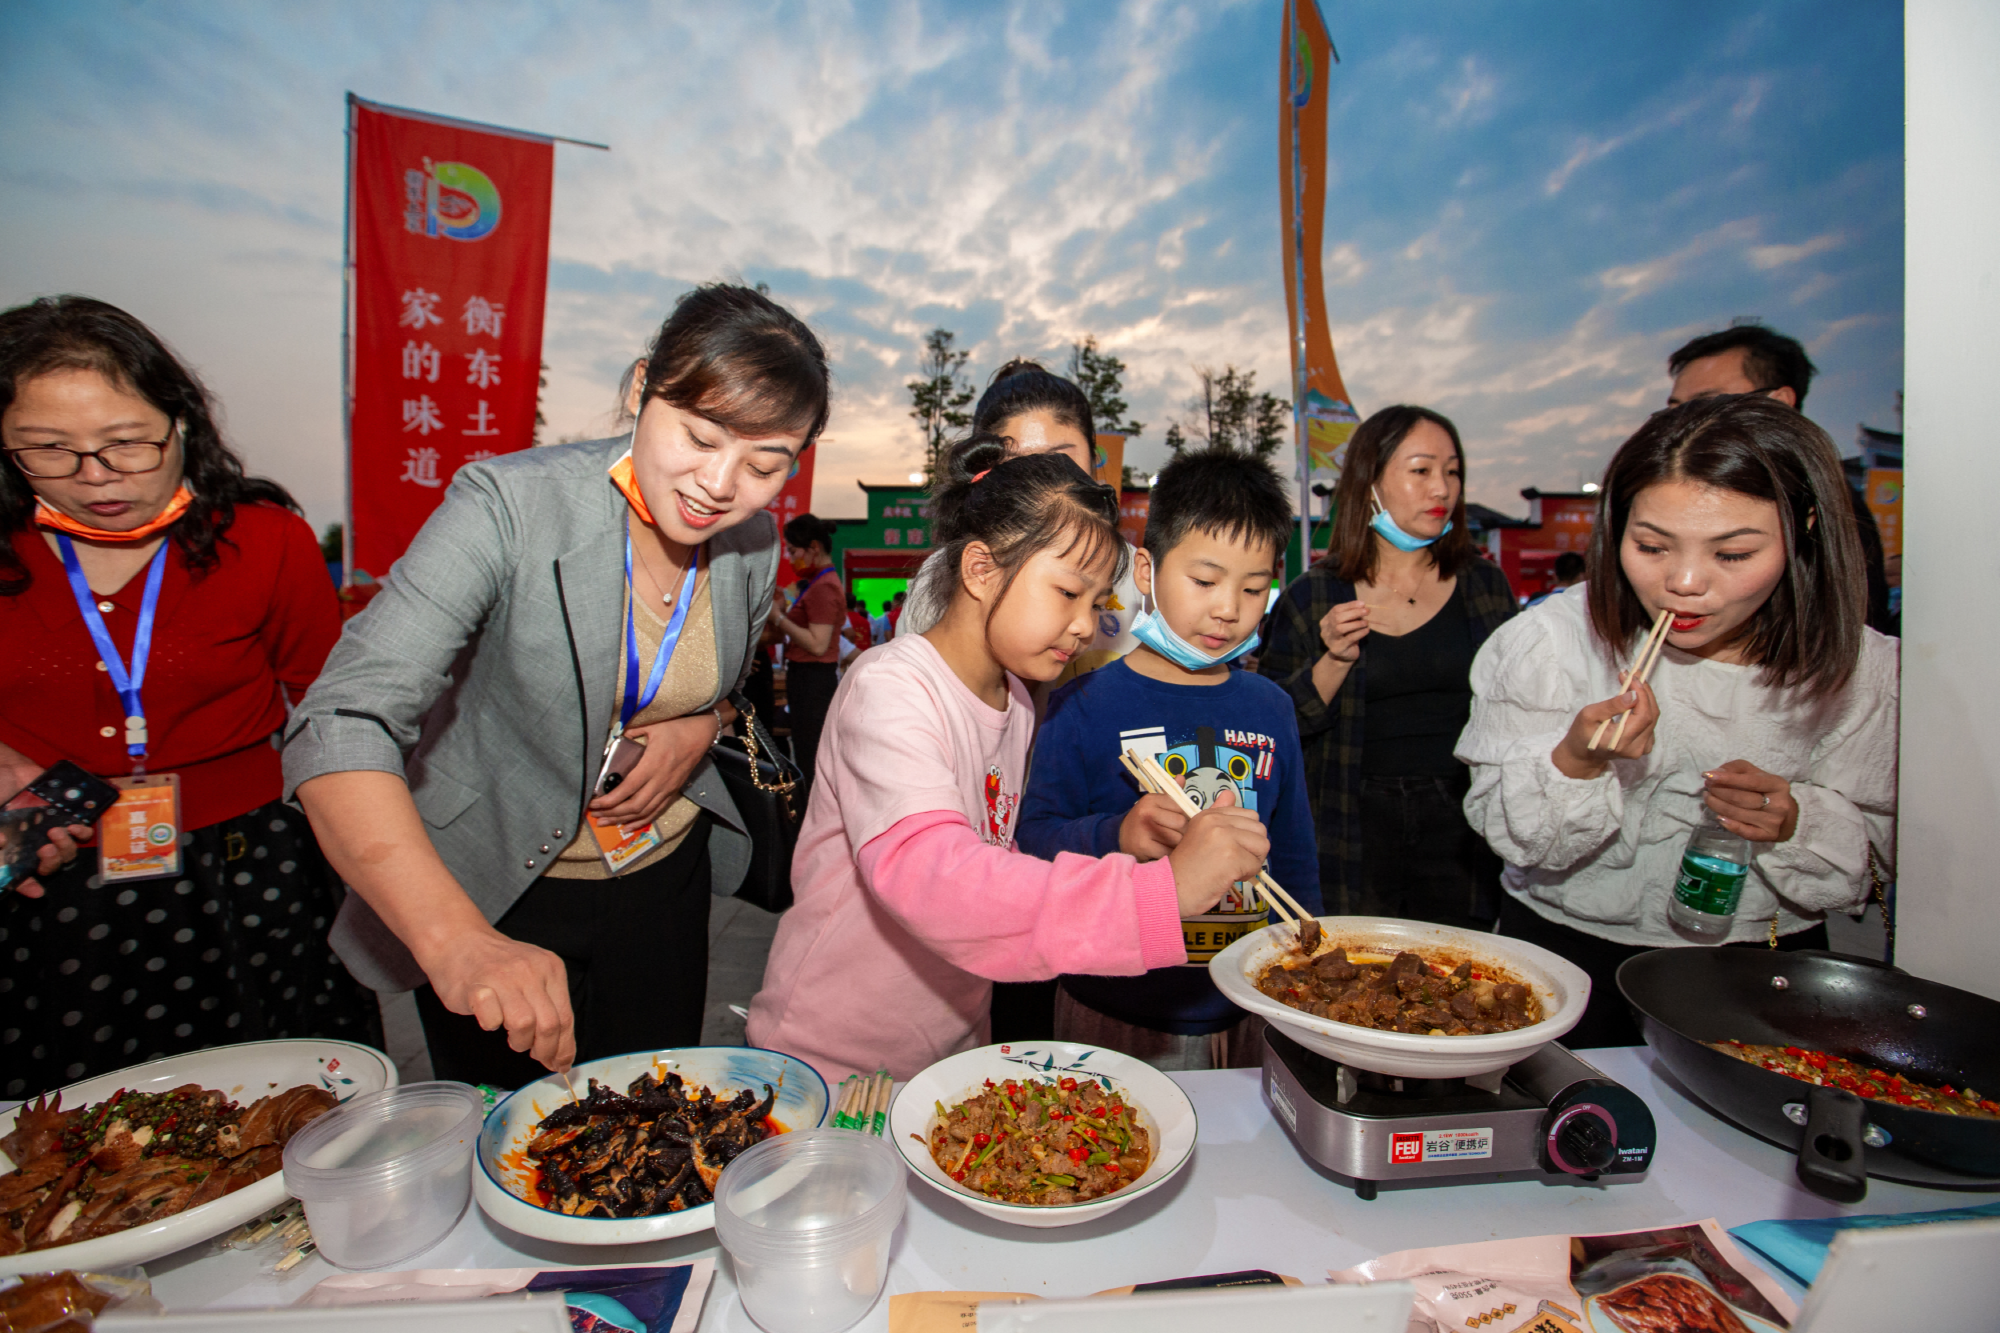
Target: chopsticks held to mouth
1146,771
1642,667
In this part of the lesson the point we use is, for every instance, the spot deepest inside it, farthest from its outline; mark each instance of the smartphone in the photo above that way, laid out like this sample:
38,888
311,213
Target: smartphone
64,794
621,758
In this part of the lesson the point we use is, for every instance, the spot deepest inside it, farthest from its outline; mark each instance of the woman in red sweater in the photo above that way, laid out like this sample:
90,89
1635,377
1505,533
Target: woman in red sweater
127,525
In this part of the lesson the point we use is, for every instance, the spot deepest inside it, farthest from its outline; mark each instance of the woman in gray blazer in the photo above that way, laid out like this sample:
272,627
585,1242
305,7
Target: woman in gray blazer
452,756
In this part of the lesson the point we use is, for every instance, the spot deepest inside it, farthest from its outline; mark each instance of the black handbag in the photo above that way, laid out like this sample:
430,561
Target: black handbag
764,783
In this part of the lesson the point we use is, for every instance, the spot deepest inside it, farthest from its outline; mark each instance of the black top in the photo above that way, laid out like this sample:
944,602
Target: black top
1419,697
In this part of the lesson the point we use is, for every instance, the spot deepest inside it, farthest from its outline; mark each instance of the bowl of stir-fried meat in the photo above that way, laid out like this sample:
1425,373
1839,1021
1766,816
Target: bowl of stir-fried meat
137,1164
1043,1134
636,1157
1405,997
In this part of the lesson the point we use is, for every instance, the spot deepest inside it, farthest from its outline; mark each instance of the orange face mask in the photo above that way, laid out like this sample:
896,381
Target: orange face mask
621,477
50,517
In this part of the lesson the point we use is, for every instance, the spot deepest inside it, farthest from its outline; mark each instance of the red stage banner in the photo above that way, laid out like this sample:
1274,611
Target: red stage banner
449,247
795,499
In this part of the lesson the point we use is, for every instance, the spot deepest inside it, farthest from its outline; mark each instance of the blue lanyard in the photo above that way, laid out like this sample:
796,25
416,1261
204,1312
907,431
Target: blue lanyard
633,702
126,683
823,572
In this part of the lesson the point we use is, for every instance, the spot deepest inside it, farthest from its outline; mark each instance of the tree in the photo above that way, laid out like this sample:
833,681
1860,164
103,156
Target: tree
1227,412
937,401
1101,376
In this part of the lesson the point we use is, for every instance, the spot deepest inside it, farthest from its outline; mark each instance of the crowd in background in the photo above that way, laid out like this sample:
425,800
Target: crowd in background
497,786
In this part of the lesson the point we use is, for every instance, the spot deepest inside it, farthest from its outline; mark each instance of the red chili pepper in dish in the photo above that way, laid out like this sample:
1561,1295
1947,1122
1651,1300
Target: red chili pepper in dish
1067,1085
1078,1154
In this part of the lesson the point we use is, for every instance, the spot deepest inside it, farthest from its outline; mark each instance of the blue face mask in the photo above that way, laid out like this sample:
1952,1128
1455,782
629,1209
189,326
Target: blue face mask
1394,535
1155,633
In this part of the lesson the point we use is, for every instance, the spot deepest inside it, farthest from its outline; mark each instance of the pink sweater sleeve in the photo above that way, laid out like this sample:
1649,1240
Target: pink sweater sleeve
1010,917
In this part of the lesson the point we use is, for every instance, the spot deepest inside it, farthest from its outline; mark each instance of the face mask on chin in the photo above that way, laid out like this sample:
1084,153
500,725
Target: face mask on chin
1393,534
1153,631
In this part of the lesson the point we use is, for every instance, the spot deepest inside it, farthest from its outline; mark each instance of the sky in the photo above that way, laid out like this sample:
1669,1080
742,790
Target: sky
1531,204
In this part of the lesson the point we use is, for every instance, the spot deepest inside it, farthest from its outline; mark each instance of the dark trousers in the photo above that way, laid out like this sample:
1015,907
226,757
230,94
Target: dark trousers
808,694
1024,1011
636,951
1608,1021
1419,858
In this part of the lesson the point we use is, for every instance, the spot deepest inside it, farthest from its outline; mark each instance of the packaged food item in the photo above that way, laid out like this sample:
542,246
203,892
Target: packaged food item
1687,1279
637,1299
69,1301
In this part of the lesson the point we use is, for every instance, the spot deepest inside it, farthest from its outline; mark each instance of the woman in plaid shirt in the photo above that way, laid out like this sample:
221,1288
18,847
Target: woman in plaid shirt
1375,645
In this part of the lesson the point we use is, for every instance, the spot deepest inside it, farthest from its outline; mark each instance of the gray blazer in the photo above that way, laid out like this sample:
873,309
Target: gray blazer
485,674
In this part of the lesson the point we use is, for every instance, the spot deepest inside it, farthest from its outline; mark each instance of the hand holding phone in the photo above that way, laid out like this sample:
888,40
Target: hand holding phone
620,758
64,797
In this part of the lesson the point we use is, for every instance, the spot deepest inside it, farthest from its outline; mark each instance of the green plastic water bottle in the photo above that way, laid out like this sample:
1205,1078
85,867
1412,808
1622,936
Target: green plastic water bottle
1710,883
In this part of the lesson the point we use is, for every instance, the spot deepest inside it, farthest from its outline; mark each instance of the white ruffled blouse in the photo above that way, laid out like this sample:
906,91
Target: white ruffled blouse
1600,855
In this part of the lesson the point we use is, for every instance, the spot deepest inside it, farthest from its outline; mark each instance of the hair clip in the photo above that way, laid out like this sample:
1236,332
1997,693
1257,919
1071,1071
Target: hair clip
978,477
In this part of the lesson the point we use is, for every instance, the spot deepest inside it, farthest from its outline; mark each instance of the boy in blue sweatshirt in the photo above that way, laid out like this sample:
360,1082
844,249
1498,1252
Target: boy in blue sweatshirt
1215,534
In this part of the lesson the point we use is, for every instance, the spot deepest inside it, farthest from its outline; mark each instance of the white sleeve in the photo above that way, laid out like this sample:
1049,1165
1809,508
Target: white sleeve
1849,799
1526,690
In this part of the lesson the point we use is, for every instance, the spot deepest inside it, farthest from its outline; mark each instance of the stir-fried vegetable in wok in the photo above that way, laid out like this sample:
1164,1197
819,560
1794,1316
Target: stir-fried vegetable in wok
658,1148
1406,994
1041,1143
1878,1085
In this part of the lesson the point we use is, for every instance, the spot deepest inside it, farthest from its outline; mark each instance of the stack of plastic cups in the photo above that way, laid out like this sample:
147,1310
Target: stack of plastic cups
807,1218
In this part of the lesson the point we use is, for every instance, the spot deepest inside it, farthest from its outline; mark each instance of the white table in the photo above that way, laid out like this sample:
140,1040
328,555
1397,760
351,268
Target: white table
1247,1200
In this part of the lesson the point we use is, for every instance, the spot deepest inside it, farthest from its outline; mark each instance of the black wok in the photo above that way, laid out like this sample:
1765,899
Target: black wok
1869,1012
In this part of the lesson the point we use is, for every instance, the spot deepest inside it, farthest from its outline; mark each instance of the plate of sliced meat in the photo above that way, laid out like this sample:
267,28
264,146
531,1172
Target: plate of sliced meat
136,1164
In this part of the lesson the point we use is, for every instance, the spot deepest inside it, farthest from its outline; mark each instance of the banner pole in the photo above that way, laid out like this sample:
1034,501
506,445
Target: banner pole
1299,291
347,359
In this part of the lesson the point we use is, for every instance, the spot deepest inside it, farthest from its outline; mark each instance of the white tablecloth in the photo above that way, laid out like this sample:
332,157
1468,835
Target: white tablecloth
1247,1200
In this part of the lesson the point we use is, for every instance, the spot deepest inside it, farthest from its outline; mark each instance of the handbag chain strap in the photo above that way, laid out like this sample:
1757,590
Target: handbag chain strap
783,786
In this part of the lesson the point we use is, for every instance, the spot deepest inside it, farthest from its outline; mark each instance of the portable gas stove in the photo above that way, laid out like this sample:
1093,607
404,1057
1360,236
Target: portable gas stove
1551,1116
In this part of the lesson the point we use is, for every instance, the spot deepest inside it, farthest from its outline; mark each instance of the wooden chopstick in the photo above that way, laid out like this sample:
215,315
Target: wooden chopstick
1645,670
1152,777
1642,666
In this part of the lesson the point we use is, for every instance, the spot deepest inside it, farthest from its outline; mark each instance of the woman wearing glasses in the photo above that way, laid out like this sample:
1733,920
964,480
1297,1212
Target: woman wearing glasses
156,606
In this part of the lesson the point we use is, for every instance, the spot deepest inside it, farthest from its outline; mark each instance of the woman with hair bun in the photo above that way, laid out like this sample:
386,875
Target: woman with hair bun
911,897
507,755
157,607
1772,706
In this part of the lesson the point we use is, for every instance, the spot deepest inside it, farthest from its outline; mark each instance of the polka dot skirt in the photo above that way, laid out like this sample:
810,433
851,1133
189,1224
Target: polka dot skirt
94,977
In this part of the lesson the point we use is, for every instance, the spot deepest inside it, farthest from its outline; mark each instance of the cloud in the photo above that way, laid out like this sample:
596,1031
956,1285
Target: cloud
1777,256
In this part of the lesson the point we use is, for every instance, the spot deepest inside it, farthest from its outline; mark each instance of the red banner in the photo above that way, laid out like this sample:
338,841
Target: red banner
450,253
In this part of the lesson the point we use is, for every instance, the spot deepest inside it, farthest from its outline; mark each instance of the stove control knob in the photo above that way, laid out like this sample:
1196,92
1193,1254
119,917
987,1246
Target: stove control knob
1583,1140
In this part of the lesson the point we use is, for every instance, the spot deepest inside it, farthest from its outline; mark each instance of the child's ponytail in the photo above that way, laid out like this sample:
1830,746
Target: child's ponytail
1018,506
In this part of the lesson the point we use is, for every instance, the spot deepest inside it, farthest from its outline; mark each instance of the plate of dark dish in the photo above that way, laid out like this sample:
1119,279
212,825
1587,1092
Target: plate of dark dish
1860,1067
635,1156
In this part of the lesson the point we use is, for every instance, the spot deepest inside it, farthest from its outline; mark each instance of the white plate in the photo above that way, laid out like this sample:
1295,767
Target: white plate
1560,985
501,1185
243,1073
1164,1110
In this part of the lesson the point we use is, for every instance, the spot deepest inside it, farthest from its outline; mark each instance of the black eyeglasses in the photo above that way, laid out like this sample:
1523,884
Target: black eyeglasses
51,462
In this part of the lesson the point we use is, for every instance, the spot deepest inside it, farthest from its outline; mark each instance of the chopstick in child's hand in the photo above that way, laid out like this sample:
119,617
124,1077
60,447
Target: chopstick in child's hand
1656,639
1155,778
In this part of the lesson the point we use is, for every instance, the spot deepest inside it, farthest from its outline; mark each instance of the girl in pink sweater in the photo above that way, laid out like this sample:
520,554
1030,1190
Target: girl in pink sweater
910,898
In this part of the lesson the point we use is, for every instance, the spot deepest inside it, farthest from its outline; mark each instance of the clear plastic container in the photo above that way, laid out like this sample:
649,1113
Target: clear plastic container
807,1218
385,1176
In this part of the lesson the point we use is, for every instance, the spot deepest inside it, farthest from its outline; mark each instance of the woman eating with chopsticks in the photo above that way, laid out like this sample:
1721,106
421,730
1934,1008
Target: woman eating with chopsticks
1723,629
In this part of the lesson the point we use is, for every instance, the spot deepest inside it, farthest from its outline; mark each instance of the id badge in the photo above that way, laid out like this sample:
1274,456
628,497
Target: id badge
139,837
618,848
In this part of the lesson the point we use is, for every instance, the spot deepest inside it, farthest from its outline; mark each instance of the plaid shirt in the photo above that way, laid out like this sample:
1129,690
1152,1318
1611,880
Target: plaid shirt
1331,733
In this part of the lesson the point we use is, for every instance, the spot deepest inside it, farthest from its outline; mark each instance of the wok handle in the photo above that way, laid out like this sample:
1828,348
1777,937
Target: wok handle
1831,1161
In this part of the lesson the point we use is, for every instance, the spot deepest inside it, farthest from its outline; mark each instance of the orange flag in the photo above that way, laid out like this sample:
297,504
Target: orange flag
1322,412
